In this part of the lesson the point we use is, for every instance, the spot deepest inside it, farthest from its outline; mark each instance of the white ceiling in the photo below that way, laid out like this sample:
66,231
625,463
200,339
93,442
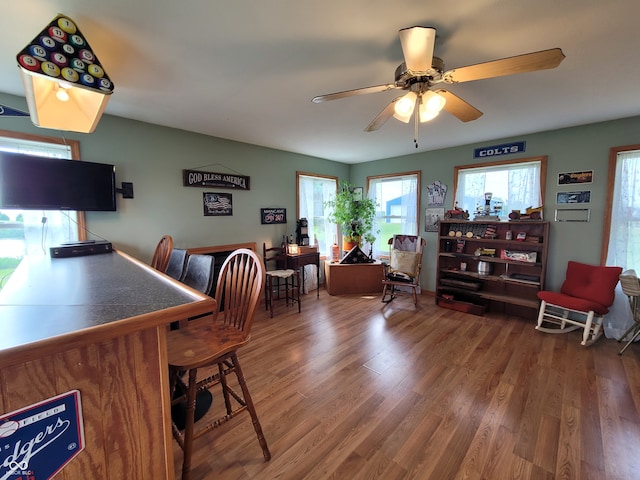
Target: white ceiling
246,70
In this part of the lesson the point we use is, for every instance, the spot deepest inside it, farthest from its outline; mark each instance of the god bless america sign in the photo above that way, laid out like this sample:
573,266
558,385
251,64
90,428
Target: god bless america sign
196,178
37,441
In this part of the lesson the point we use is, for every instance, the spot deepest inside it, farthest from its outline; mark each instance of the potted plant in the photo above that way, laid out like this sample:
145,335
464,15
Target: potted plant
354,216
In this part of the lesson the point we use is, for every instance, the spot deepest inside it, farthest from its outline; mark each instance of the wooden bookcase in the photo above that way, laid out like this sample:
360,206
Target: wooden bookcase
505,281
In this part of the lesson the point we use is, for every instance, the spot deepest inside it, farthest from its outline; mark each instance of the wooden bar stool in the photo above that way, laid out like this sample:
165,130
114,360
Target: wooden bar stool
280,280
214,341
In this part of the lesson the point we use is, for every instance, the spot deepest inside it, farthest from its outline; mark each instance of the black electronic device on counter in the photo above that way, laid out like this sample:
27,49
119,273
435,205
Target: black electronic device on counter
81,248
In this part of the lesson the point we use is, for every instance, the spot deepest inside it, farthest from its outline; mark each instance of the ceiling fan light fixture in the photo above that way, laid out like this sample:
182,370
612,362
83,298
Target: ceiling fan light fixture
404,107
433,101
430,105
426,114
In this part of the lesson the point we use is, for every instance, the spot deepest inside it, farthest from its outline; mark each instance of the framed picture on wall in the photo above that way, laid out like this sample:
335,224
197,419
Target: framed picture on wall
273,215
217,204
572,178
432,215
563,198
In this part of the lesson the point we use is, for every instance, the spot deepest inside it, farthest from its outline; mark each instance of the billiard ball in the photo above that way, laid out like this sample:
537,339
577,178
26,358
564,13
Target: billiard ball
96,70
70,74
57,34
105,85
47,42
86,56
67,25
50,69
77,41
29,63
38,52
87,80
78,65
59,59
68,49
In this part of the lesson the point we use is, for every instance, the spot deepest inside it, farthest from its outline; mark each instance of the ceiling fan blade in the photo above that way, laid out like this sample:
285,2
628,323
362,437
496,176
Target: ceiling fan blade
383,116
458,107
417,46
529,62
351,93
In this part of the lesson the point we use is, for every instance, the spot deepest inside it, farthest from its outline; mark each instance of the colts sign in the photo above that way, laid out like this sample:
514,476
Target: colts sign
37,441
496,150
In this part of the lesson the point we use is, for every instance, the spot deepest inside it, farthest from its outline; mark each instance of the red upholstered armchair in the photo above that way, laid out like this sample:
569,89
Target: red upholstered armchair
584,298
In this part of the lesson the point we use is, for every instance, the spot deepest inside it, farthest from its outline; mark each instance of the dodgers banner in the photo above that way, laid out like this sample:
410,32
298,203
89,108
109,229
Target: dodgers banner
37,441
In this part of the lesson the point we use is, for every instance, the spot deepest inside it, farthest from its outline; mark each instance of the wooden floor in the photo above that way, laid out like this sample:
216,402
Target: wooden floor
352,389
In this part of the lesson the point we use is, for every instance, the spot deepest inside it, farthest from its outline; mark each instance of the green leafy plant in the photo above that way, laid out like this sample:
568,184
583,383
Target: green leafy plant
353,215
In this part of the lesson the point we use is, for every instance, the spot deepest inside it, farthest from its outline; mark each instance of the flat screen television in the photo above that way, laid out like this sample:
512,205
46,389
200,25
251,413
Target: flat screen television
29,182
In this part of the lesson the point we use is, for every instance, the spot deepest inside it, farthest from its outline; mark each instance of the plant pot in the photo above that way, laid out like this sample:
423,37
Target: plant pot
349,242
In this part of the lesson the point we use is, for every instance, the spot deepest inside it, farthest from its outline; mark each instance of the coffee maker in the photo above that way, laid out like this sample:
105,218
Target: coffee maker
302,232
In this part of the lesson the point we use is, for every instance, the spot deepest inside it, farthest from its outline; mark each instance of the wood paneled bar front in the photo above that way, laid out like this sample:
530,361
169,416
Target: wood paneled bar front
97,324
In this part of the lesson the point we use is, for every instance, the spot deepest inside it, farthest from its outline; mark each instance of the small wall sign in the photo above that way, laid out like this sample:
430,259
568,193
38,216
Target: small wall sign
583,196
217,204
197,178
273,215
572,178
496,150
37,441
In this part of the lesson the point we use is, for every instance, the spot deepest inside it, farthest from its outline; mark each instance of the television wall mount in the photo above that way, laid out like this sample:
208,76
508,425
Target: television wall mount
126,190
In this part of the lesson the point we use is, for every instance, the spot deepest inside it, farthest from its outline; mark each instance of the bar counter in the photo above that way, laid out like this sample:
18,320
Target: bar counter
97,324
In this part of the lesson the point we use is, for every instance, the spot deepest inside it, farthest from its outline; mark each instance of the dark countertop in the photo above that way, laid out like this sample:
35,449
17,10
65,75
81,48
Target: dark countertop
63,298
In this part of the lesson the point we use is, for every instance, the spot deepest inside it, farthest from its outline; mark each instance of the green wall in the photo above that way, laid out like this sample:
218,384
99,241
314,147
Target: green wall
570,149
152,157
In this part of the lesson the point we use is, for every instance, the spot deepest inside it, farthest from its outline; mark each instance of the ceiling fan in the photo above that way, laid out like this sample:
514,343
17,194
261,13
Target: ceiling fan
421,73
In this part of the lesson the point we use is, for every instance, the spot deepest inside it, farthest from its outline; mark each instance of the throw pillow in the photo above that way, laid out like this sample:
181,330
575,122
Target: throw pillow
404,262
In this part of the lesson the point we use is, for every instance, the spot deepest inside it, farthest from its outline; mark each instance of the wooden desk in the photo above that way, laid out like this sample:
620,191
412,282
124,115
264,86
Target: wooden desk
353,278
97,324
297,260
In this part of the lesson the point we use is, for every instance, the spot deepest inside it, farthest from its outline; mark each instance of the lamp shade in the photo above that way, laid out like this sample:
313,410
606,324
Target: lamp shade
431,105
404,107
65,86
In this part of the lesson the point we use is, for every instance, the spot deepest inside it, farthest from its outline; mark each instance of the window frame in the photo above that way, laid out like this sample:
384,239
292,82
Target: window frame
336,179
543,172
418,175
608,210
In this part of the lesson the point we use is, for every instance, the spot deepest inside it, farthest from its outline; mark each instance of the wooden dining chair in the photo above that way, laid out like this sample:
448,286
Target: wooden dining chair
213,341
162,253
281,282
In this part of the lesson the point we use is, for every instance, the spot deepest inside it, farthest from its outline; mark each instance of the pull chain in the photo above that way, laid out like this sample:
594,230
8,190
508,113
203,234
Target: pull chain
416,115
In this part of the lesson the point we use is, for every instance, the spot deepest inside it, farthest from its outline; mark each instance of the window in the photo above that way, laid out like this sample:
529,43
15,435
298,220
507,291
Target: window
313,191
398,199
25,232
513,184
621,242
